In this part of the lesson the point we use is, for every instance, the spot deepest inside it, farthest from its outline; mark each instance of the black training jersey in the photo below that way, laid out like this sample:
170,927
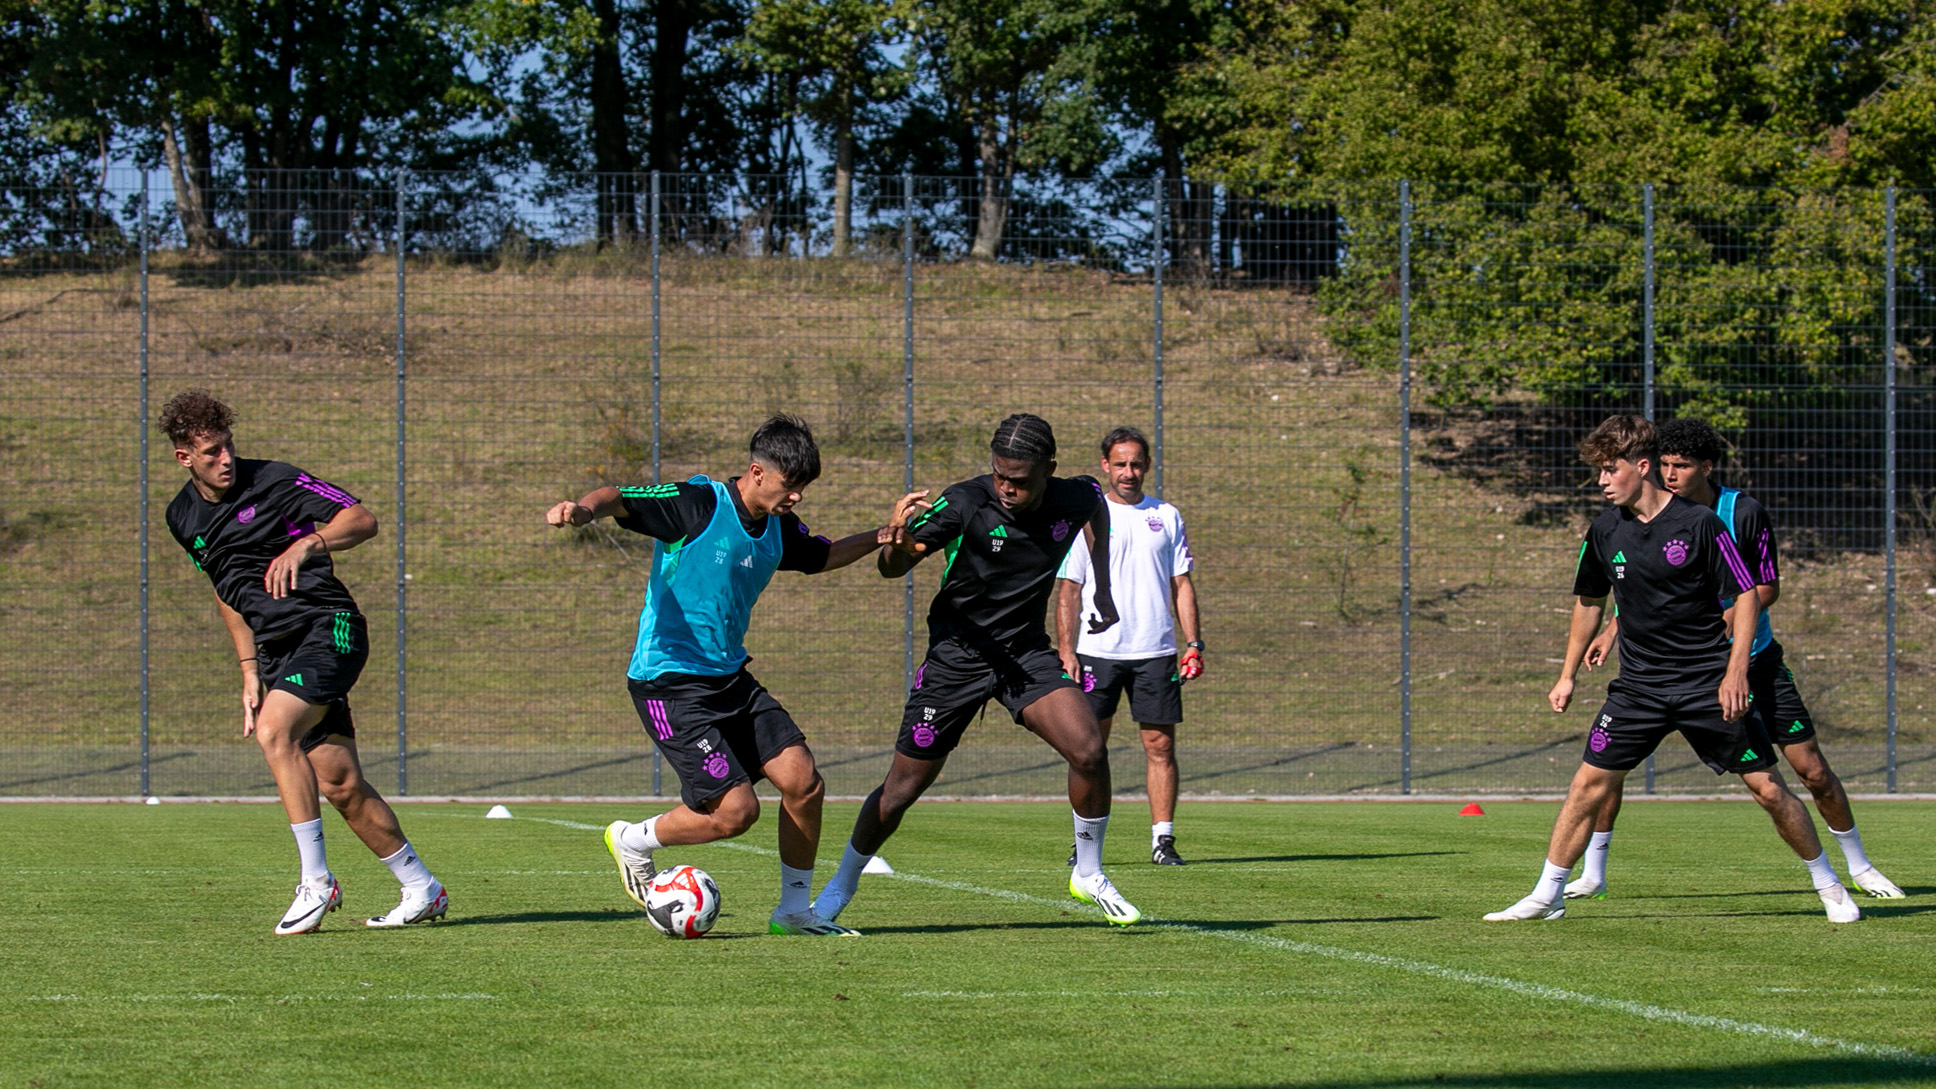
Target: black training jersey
1001,562
233,540
681,511
1667,577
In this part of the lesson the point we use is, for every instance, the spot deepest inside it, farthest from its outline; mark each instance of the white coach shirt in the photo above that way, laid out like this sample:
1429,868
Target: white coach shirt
1147,548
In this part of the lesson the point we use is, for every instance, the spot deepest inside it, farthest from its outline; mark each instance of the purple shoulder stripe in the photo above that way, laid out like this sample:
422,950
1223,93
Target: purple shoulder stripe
328,491
1735,564
1766,546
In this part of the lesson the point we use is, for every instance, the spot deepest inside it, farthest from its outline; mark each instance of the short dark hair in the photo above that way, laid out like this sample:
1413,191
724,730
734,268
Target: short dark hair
1118,436
1687,437
1620,438
1024,437
195,412
786,443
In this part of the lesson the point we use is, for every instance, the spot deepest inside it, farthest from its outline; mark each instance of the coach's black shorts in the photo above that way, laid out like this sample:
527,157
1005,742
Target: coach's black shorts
1155,688
716,732
954,683
1777,702
318,665
1633,723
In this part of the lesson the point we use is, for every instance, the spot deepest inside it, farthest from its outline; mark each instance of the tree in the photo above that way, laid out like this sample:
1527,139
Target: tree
834,53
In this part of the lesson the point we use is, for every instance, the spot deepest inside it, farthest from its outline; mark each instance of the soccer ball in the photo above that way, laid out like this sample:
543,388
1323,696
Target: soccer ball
682,902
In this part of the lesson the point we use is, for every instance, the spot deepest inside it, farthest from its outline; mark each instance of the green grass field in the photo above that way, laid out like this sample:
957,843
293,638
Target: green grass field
1305,944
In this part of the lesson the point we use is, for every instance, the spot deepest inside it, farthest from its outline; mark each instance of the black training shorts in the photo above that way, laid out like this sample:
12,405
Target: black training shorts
1633,722
716,732
1155,688
319,665
1777,702
954,683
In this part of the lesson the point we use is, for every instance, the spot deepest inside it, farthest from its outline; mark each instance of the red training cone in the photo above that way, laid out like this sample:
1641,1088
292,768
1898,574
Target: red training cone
1472,810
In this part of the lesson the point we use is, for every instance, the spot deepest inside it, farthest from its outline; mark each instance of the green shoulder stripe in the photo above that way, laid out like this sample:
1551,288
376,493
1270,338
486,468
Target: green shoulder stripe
650,491
940,505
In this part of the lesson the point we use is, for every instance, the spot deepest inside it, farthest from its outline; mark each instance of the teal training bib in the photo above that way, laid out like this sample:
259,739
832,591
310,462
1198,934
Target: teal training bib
701,595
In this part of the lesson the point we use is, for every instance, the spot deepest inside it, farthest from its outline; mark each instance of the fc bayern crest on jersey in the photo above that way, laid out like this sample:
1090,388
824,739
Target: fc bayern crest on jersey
246,515
1060,530
1676,552
1155,523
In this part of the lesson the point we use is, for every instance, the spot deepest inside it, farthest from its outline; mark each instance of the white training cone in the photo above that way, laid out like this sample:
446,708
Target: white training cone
151,800
877,864
498,813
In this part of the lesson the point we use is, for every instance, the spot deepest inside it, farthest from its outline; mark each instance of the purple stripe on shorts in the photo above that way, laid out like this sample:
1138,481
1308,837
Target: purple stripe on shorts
1735,564
660,724
328,491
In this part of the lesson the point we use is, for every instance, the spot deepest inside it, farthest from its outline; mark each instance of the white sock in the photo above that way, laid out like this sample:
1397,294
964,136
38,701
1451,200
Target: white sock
1161,829
1820,872
1089,832
641,838
410,870
1594,868
1851,842
1552,884
796,889
842,886
309,848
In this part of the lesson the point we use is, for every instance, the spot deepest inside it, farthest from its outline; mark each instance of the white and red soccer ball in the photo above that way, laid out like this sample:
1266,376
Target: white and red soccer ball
683,902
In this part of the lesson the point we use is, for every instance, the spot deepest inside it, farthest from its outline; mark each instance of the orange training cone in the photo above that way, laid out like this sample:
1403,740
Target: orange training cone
1472,810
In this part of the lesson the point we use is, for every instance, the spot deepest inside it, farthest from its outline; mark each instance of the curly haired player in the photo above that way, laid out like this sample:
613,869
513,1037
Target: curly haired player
263,532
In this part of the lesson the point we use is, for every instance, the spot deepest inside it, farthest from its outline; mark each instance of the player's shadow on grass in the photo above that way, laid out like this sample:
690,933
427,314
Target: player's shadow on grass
1775,1073
1317,858
515,918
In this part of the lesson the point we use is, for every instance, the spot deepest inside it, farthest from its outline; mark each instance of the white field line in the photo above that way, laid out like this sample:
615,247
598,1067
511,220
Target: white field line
1643,1010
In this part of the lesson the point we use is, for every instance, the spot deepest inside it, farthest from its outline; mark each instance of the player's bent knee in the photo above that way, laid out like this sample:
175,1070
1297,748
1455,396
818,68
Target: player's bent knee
736,812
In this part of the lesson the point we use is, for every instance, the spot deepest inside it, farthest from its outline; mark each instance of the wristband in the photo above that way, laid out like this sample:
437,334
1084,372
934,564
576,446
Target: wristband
240,661
1195,645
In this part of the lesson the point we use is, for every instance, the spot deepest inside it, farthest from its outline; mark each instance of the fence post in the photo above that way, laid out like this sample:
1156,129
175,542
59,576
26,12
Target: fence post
402,573
1889,471
1405,487
1156,332
1647,343
141,429
658,762
907,410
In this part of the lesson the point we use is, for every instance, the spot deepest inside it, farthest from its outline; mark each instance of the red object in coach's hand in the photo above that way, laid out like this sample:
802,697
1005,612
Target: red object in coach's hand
1192,665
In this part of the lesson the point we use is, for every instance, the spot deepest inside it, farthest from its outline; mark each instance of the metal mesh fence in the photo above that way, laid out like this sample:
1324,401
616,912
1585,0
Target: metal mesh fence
1364,400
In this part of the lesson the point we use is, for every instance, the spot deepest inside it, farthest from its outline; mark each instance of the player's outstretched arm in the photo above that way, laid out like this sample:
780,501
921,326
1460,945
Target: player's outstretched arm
244,640
350,527
1586,621
597,503
1097,535
850,549
899,550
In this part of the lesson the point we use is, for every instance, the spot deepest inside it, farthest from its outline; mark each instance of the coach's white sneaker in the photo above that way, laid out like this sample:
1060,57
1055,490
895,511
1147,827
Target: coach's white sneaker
1098,890
808,924
1872,882
315,898
1528,908
1586,890
634,869
424,903
1841,906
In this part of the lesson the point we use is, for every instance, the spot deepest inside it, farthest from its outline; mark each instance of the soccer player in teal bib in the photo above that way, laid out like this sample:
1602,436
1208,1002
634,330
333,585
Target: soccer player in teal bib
1689,451
718,544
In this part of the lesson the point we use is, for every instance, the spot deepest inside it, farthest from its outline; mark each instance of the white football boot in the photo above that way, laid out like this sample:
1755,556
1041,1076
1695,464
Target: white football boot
635,870
1586,890
1840,905
1528,908
315,898
808,924
1098,890
1872,882
421,904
